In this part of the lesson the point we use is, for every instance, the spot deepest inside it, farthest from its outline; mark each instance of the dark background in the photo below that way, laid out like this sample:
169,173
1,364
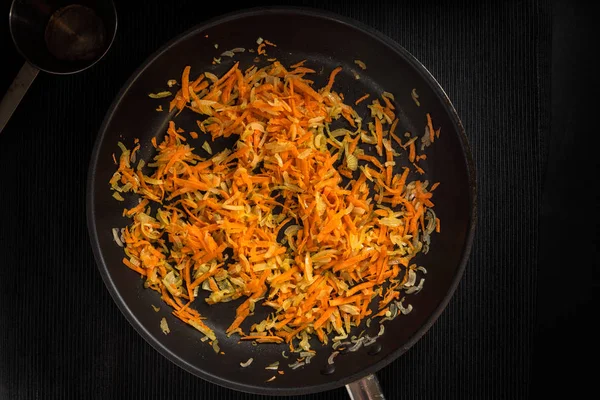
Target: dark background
522,78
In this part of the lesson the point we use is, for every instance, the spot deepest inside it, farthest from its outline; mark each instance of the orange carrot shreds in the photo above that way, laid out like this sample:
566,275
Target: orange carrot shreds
134,267
386,99
307,221
264,338
298,64
185,83
430,128
412,152
420,170
366,96
261,48
332,79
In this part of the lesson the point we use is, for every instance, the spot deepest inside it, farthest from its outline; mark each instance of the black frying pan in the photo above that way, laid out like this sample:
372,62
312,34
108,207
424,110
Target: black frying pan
326,41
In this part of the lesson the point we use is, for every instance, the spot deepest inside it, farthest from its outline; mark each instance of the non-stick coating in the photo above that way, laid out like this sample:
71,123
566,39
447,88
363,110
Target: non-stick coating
326,41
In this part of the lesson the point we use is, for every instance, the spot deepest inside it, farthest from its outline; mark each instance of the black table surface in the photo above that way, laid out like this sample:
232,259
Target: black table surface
521,321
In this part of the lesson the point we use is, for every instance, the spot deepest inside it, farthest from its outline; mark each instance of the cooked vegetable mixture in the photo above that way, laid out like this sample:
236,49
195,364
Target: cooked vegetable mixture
298,216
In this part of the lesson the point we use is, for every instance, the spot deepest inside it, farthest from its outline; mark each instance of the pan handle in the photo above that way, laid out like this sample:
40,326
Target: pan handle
16,91
365,389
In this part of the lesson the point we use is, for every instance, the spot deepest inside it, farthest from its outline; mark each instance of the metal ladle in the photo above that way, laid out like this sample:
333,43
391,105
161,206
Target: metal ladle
58,38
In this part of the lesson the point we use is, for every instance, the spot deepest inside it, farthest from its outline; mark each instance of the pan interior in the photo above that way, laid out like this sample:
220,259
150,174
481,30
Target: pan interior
325,42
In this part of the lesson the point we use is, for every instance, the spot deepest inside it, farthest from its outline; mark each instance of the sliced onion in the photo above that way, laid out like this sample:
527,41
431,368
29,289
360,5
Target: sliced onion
416,289
357,345
247,363
164,326
332,357
115,232
296,365
274,366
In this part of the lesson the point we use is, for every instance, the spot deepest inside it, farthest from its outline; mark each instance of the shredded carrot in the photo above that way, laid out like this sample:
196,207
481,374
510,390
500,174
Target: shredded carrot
359,287
298,64
371,159
397,139
366,96
134,267
263,338
412,152
305,88
378,132
418,169
393,129
332,79
194,85
388,103
430,127
185,83
348,229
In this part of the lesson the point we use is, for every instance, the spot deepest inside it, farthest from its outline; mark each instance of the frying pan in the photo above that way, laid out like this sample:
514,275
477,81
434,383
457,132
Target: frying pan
326,41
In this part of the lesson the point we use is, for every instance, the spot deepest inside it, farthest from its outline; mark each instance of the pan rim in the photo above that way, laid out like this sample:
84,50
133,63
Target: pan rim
258,388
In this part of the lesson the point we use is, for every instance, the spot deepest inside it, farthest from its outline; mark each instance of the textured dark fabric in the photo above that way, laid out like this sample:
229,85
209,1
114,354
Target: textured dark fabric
569,285
62,337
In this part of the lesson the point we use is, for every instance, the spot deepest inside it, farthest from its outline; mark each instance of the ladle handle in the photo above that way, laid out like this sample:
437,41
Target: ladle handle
366,388
16,91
